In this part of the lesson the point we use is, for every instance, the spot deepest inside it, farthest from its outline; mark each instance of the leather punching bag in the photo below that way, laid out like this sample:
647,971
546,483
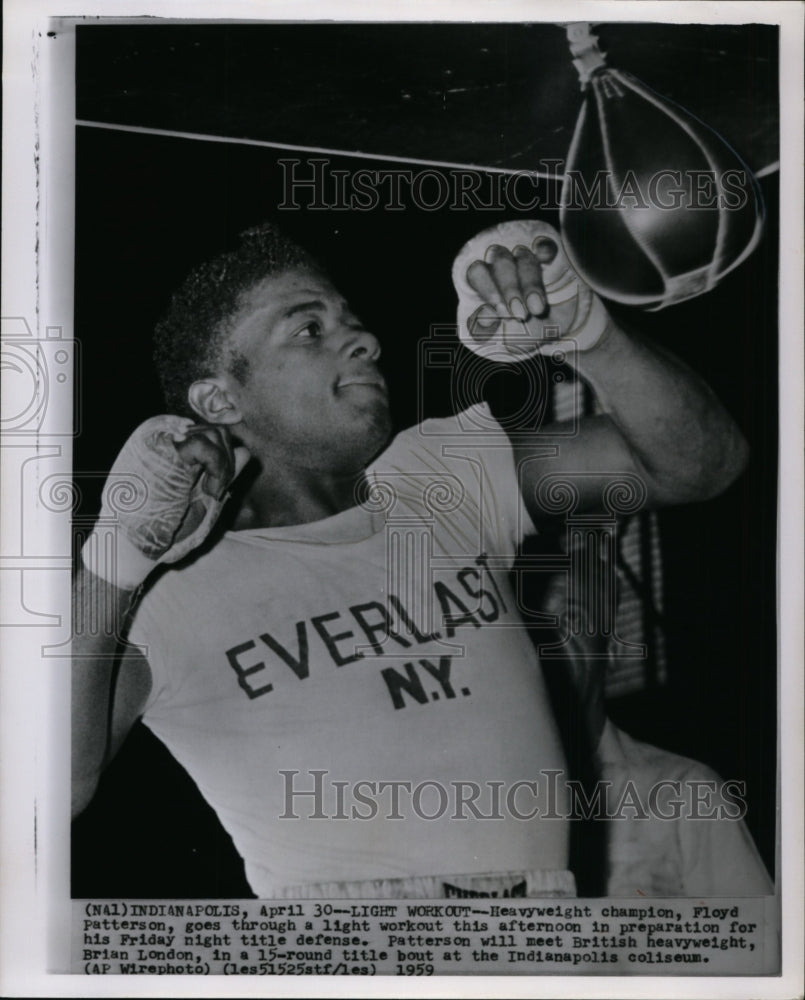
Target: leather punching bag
656,206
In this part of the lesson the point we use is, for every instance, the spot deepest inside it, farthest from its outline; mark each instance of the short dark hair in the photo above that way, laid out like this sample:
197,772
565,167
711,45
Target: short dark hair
189,339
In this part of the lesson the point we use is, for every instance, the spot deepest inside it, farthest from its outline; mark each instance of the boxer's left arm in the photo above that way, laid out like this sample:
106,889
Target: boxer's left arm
661,422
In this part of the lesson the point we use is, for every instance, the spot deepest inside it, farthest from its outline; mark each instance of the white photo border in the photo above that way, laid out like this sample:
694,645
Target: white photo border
37,287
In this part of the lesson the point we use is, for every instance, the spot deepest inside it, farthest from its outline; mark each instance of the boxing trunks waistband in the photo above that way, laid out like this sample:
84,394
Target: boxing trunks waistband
540,884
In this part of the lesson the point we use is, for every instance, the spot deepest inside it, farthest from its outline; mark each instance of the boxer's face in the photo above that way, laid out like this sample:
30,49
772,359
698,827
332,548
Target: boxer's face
306,382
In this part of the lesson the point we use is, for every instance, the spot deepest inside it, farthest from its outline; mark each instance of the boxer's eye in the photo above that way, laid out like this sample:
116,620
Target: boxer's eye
310,331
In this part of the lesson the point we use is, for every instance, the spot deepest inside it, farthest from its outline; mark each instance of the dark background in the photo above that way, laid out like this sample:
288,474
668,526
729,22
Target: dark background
149,207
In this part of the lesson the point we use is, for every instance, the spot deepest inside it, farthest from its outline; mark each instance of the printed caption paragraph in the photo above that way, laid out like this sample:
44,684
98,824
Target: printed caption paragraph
426,937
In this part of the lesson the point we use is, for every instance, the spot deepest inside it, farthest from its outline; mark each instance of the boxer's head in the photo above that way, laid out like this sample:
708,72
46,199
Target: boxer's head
260,340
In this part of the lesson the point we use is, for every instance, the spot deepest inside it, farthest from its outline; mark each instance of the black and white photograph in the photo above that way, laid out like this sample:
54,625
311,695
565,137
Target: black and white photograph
405,436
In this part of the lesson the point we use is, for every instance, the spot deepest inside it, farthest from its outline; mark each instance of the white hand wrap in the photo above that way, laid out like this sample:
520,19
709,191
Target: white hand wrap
512,341
156,502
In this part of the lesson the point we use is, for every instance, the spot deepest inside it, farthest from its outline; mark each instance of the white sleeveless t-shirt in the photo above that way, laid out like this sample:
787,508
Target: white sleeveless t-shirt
357,698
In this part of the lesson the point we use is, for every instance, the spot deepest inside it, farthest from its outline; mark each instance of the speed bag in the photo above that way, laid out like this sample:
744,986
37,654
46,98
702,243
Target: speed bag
656,207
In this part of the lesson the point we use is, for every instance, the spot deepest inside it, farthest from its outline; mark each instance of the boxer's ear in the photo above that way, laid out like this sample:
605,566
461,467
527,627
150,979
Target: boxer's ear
211,399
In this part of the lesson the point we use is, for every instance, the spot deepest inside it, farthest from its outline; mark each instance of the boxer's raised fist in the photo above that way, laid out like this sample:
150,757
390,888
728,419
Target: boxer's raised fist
165,491
518,293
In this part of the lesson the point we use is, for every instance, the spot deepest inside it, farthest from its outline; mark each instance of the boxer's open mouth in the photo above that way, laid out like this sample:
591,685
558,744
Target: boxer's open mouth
370,379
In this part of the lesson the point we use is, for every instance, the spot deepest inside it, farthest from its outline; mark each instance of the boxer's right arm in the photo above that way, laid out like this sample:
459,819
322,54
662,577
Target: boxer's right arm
110,680
161,499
